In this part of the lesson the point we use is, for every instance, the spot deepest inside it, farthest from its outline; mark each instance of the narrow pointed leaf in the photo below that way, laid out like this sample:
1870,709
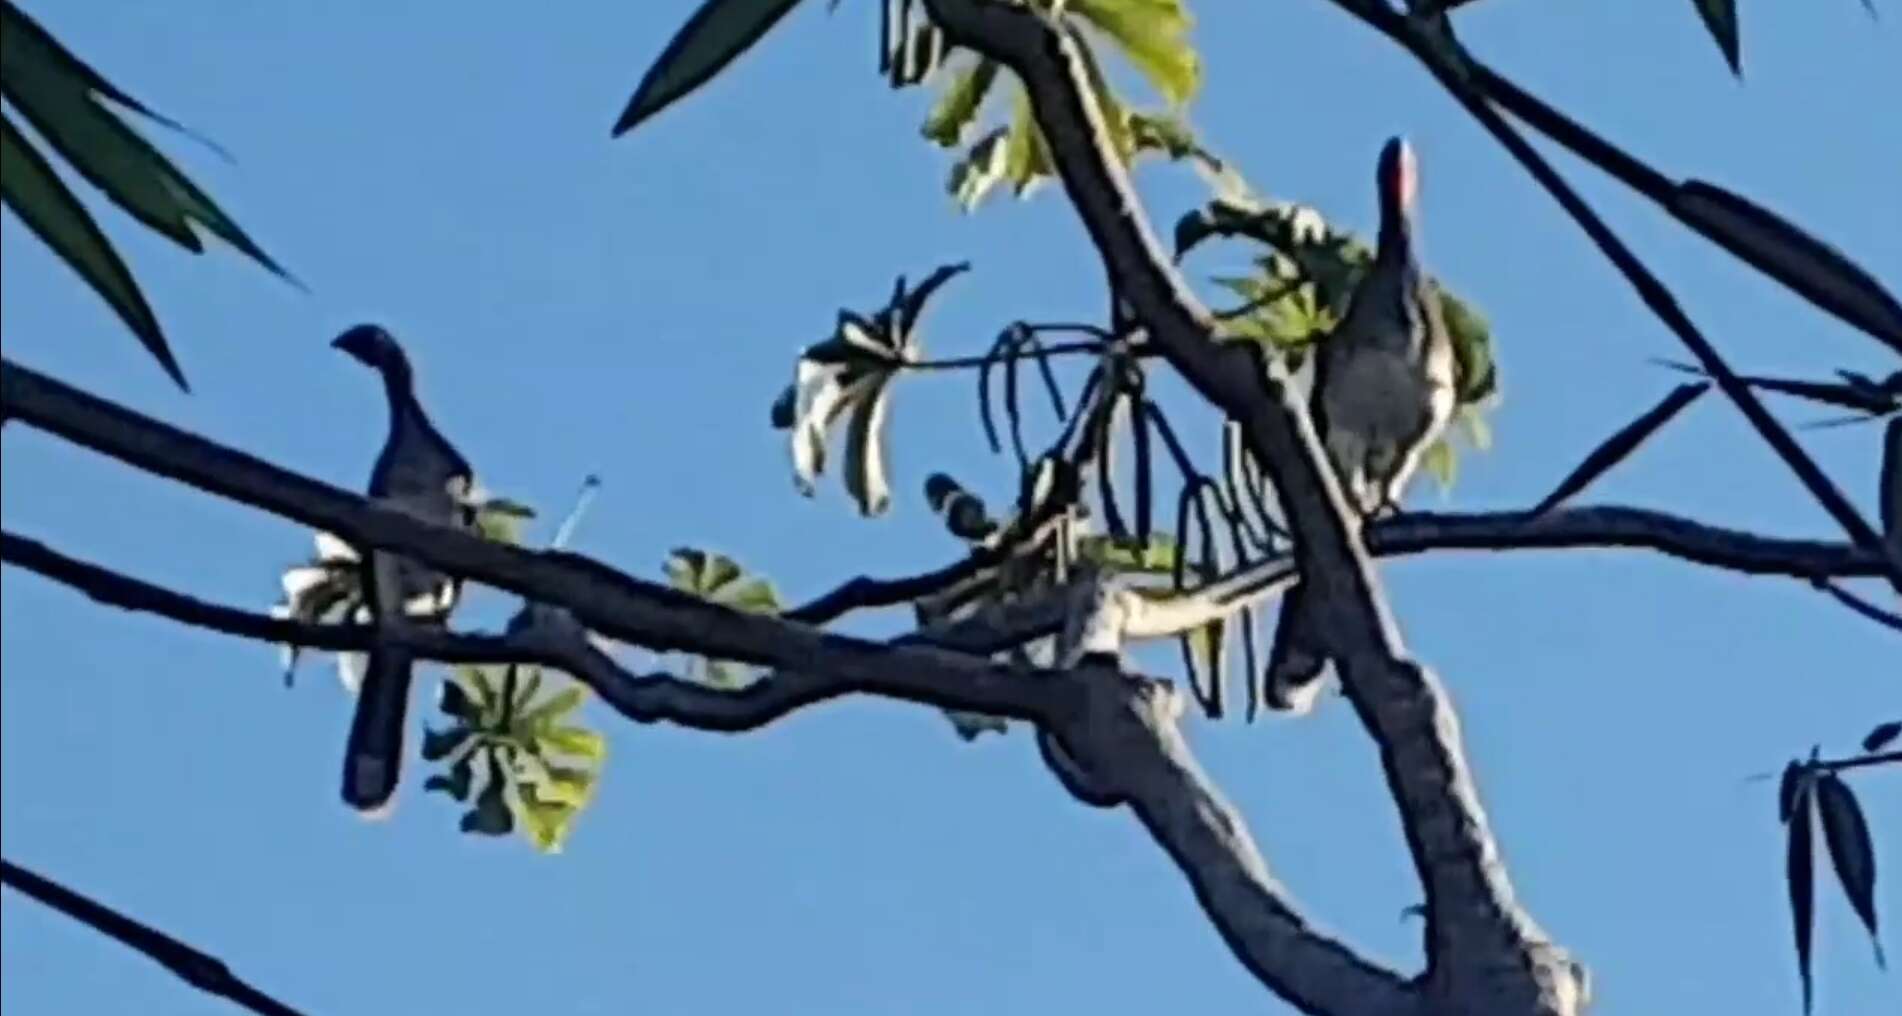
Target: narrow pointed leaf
1851,850
59,95
29,186
957,107
1791,256
866,478
1621,444
1788,789
1881,736
1720,16
1799,874
712,38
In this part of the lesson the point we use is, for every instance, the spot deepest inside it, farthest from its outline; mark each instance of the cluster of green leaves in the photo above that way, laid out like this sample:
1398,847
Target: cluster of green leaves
852,372
716,578
1300,289
76,112
1810,792
1150,35
517,752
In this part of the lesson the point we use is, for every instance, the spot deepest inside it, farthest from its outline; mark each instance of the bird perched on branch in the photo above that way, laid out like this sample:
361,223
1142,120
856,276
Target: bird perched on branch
421,473
1383,393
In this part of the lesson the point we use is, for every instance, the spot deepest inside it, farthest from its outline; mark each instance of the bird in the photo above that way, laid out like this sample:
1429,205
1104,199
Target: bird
420,472
1383,394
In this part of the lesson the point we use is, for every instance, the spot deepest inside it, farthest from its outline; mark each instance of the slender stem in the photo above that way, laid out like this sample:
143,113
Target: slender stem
972,362
1879,759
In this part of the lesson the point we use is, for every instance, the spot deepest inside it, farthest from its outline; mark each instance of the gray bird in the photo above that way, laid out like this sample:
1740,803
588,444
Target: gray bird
1383,393
420,472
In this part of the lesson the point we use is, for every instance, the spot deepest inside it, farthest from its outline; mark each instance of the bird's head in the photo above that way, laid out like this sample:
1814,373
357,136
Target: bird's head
375,348
1398,179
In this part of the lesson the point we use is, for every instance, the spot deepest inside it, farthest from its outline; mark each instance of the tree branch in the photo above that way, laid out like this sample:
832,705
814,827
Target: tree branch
570,591
203,971
1484,952
1444,59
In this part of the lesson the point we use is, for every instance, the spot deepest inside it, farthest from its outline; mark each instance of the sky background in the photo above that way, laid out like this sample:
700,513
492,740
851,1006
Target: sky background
631,308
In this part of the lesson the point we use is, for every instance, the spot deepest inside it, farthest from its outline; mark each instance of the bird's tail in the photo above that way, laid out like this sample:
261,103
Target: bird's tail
375,752
1296,661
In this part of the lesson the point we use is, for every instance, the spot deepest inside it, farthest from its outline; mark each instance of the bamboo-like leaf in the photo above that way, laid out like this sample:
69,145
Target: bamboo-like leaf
1851,851
973,176
29,186
711,39
1789,789
1720,16
957,107
60,96
1788,254
1881,735
1799,875
1621,444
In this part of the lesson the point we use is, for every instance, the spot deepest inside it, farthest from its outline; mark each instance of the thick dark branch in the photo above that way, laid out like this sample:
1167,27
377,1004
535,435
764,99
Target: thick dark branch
113,589
1615,526
570,591
1481,946
205,972
601,598
1433,53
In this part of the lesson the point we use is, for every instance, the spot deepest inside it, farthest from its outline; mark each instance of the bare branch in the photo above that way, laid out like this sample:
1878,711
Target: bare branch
1482,947
201,970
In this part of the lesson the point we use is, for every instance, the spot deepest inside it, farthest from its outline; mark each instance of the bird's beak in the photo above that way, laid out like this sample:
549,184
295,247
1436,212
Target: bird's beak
358,342
1399,174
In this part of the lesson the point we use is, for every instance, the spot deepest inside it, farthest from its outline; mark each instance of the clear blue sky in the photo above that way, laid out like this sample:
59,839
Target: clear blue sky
632,307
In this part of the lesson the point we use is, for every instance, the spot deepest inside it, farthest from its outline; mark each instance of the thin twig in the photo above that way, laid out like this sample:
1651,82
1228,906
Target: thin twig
203,971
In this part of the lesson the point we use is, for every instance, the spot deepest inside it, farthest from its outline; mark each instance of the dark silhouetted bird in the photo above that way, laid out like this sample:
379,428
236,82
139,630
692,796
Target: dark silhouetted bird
420,472
1383,393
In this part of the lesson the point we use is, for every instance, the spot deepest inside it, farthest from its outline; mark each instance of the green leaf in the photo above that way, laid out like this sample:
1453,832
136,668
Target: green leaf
716,34
1720,16
1442,462
555,707
29,186
1852,851
576,741
440,744
755,596
973,176
491,815
456,783
957,106
1777,247
1026,159
1152,34
867,477
1799,877
60,96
